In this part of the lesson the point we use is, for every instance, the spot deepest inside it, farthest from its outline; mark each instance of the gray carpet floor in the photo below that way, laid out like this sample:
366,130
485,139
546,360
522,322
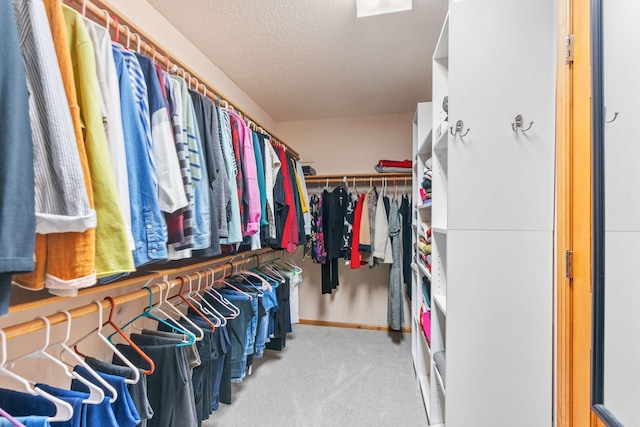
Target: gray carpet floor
329,377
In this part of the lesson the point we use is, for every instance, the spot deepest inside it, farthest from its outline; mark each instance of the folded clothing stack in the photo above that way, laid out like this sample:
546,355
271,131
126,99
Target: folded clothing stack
423,245
393,166
425,187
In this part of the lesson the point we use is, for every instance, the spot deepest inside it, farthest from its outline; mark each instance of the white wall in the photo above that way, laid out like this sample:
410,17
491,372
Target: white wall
350,144
346,146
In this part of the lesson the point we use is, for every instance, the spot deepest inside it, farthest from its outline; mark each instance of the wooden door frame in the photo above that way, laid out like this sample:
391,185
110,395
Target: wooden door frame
574,218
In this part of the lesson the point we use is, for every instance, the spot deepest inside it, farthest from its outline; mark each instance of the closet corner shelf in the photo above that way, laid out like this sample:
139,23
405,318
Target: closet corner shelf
439,380
425,206
439,230
424,270
441,303
424,150
425,388
441,142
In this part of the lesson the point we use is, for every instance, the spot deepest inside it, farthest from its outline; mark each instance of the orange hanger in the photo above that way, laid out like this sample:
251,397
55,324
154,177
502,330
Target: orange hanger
152,366
190,304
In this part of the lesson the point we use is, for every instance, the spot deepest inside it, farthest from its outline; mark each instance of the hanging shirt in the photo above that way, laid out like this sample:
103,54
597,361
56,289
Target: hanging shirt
217,185
182,124
113,254
302,185
251,195
382,241
355,241
290,232
65,258
170,188
112,115
61,200
234,224
272,167
147,225
237,132
17,206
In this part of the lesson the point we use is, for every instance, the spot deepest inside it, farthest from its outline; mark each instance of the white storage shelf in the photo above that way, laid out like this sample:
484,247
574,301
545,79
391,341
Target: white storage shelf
441,303
423,269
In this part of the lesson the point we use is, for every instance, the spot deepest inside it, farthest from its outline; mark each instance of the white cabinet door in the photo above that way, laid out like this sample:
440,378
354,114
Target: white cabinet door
499,328
621,88
502,63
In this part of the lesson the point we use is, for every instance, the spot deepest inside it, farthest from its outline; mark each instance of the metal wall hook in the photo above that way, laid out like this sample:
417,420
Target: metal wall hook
458,129
615,116
517,124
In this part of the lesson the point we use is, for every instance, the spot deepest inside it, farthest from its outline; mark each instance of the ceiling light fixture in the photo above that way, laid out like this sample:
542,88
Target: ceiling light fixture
379,7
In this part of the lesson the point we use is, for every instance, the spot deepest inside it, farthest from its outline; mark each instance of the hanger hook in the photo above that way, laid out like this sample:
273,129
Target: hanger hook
199,281
3,337
84,7
99,304
107,24
47,329
128,35
67,315
615,116
166,58
139,41
458,129
115,18
518,122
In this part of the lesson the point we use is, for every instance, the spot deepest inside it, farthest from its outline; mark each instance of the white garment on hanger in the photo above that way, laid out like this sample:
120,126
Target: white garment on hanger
382,241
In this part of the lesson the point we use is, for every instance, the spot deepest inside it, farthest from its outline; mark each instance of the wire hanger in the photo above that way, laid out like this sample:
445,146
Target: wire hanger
65,349
96,395
64,411
127,362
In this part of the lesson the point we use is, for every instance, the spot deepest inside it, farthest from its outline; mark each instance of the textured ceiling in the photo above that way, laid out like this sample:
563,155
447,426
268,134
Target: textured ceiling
313,59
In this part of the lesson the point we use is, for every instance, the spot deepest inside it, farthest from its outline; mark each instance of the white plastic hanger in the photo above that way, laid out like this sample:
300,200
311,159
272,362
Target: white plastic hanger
65,349
64,411
174,309
96,395
136,371
157,308
210,308
213,292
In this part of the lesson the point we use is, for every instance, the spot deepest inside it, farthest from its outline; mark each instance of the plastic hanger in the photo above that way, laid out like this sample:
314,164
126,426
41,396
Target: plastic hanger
9,418
96,395
64,411
127,362
148,313
234,287
193,307
213,293
205,306
179,328
65,349
173,308
145,357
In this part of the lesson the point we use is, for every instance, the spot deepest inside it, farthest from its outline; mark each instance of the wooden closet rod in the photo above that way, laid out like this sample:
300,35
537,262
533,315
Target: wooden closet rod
85,310
124,28
378,177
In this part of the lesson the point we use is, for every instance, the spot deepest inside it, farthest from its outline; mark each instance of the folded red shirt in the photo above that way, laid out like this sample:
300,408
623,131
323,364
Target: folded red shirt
395,163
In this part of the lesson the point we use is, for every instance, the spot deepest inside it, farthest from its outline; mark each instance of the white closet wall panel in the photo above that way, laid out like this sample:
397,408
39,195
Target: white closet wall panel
621,367
499,329
502,60
621,89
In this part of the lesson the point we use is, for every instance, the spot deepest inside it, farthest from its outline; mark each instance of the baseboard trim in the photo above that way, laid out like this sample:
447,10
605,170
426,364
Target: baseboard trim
350,325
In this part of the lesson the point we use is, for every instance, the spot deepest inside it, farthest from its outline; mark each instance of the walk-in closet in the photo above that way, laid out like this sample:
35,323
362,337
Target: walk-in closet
317,213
